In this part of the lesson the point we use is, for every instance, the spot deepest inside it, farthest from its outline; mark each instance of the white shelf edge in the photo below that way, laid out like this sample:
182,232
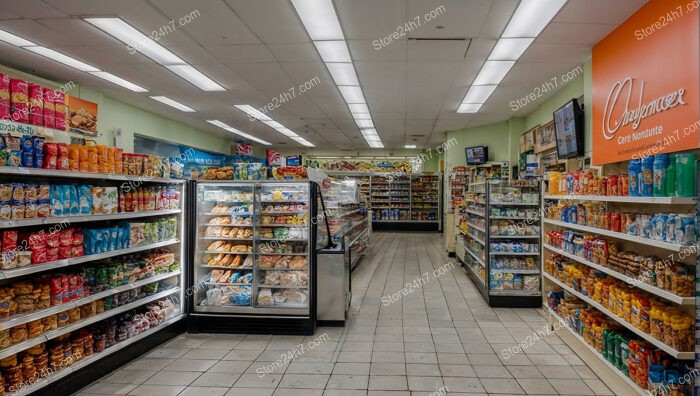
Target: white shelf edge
598,355
666,348
629,280
82,323
476,227
625,199
619,235
478,260
11,170
14,273
85,218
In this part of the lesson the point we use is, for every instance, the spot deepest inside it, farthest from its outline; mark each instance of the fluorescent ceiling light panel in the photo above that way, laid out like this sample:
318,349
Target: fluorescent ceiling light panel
319,18
410,146
195,77
492,72
333,51
343,73
364,123
361,116
469,107
253,112
140,42
352,94
15,40
273,124
119,81
287,132
375,144
59,57
237,132
358,108
172,103
478,93
531,17
510,48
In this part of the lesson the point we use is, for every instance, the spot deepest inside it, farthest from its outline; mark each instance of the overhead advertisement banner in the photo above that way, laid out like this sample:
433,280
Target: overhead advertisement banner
645,84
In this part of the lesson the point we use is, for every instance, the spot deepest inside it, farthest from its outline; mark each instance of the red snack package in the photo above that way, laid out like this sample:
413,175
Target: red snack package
4,96
77,238
38,256
63,162
37,240
19,98
77,251
50,155
36,104
65,252
56,286
52,254
65,284
65,237
52,240
60,110
49,109
9,240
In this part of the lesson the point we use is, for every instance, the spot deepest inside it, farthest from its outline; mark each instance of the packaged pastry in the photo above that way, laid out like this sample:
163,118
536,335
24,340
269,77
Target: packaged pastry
265,297
19,105
49,116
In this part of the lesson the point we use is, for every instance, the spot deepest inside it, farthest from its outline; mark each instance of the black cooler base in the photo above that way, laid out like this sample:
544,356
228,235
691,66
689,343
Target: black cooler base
278,325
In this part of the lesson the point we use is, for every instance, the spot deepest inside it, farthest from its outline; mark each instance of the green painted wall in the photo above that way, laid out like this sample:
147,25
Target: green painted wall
498,138
116,114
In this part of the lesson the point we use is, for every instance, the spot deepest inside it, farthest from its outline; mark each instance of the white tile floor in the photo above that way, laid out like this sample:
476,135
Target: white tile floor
440,336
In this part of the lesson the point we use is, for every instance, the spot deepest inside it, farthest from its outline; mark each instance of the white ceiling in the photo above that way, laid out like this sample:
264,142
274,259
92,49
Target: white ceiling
259,49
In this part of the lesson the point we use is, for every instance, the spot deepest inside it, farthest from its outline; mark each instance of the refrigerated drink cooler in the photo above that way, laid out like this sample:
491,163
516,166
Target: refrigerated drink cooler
253,256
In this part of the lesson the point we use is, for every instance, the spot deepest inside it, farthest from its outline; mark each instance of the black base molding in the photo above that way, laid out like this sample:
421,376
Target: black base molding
331,323
515,301
250,325
107,365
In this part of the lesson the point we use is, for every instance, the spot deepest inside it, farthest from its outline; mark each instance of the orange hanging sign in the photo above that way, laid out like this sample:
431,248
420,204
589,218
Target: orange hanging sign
646,78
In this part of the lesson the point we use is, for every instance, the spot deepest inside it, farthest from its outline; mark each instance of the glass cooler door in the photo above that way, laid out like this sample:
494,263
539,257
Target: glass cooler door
224,252
283,248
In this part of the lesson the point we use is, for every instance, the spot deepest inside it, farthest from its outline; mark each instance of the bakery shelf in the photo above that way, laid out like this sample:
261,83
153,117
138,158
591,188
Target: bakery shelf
683,355
476,257
283,239
53,173
293,201
626,199
476,227
84,322
226,283
302,212
620,235
227,214
86,361
499,292
19,319
629,280
227,225
83,219
14,273
261,286
280,254
225,239
228,268
475,213
282,225
283,305
516,271
282,269
595,352
514,253
222,252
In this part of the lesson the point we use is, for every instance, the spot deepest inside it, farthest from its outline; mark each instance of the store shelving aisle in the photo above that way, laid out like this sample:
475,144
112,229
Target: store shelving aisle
442,334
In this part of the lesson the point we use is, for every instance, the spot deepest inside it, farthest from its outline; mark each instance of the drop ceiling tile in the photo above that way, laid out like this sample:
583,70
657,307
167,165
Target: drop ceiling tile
575,33
436,51
273,21
459,18
365,51
296,52
598,11
370,19
254,53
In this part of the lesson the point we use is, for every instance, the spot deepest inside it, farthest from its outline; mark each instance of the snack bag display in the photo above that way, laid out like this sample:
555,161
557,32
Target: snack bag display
60,110
97,203
56,199
62,160
50,156
4,96
36,104
27,151
19,105
49,115
289,173
38,151
110,200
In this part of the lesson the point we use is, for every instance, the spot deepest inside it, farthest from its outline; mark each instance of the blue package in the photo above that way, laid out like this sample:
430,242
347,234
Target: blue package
89,240
3,143
65,199
26,152
114,234
38,151
73,203
85,199
56,199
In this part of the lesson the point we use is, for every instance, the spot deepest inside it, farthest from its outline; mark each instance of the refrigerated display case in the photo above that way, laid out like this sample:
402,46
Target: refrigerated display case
502,241
254,255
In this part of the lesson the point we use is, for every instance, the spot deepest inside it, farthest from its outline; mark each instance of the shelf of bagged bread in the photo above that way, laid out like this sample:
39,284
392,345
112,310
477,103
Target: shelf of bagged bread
86,361
83,322
224,267
226,284
625,199
86,218
285,239
299,212
214,238
226,214
17,272
620,235
223,252
280,254
260,286
595,352
10,170
683,355
228,225
282,225
282,269
633,282
19,319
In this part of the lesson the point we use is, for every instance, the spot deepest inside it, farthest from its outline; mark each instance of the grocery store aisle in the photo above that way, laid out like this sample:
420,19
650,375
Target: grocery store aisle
436,336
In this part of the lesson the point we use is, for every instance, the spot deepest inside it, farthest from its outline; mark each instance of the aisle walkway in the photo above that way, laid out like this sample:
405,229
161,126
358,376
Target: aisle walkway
440,337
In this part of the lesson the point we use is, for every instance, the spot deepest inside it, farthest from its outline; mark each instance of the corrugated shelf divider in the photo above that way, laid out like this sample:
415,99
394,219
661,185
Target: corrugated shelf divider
620,235
13,273
42,313
683,355
87,218
84,322
629,280
95,357
626,199
619,373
